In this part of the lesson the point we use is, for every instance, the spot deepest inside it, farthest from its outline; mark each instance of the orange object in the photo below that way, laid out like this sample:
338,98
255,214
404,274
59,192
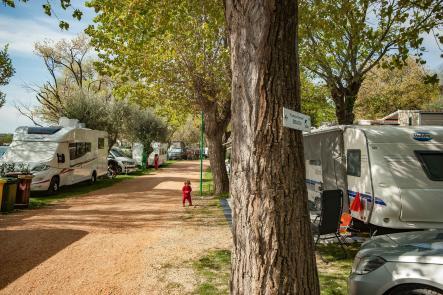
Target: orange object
357,205
345,221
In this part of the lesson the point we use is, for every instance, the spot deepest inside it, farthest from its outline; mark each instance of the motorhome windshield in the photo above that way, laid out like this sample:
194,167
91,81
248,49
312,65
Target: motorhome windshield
432,163
30,152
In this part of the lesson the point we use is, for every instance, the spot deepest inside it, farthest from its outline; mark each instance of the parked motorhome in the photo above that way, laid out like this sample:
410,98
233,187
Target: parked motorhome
161,149
61,155
396,173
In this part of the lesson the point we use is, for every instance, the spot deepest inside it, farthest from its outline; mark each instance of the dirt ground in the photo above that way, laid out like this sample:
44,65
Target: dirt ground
131,238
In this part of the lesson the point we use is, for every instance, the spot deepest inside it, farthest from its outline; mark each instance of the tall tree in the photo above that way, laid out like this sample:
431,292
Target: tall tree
273,249
342,40
174,52
6,71
386,90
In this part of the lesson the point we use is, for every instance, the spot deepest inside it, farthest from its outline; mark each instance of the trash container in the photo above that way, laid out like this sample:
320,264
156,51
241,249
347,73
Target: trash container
9,191
23,191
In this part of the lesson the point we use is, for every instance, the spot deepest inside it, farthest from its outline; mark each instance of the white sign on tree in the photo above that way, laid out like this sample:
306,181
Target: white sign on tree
296,120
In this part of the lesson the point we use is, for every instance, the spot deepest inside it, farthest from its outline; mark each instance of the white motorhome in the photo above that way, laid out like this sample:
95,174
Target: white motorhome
161,149
396,172
59,155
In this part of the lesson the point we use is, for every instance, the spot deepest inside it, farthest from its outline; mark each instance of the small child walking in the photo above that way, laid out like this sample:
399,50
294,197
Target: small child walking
187,189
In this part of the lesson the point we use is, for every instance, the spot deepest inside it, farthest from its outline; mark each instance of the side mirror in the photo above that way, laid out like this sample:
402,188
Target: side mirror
60,158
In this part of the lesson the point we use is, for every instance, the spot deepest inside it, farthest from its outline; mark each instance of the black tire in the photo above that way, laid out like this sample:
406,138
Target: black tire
54,185
93,177
119,169
412,289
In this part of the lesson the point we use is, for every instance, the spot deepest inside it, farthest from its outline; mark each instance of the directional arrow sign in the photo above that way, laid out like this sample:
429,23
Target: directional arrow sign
296,120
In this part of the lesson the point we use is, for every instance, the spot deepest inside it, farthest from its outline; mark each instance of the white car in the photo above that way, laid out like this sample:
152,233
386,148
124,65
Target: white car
125,164
408,263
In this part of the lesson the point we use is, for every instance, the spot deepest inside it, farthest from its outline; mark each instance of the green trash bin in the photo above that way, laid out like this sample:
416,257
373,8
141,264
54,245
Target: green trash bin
9,192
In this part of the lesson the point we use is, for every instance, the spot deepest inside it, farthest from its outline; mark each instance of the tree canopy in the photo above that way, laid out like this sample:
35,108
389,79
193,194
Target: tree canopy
342,40
386,90
6,71
170,55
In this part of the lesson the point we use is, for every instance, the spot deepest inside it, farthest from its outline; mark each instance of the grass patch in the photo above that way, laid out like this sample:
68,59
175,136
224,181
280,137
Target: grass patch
40,199
334,274
213,270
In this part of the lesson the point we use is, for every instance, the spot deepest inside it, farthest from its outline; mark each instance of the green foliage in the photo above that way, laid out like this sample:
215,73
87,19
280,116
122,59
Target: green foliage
189,131
168,55
316,102
6,71
341,41
387,90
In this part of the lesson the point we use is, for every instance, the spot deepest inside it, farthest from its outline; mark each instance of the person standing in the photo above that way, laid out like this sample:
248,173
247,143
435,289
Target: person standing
156,161
186,190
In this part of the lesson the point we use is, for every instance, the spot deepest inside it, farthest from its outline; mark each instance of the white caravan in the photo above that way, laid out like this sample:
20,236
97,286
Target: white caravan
161,149
397,173
59,155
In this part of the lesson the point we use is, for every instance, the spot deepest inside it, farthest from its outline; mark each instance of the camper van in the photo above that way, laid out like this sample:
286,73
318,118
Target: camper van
395,173
161,149
61,155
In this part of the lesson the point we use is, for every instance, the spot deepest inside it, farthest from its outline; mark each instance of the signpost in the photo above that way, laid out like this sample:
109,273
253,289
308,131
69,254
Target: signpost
296,120
202,147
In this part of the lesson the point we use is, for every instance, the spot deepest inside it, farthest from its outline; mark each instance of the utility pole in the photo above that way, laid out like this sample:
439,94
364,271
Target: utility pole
202,146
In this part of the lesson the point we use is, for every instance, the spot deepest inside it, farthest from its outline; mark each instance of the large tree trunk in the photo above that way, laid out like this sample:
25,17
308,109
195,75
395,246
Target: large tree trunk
344,99
217,118
273,250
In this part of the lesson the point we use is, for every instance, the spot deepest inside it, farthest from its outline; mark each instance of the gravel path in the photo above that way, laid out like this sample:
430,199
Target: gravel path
119,240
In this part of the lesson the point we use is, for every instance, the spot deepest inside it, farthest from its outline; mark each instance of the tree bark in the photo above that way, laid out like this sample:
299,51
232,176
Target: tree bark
273,250
217,118
344,99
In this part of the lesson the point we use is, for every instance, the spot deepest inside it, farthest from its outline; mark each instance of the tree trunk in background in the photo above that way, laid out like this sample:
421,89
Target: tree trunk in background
217,118
273,250
344,99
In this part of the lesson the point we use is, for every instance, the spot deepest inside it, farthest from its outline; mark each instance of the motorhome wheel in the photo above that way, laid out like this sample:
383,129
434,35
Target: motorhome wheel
54,185
412,289
119,170
93,177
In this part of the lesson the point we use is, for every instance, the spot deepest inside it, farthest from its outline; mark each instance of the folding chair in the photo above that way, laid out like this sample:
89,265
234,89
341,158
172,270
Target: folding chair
329,218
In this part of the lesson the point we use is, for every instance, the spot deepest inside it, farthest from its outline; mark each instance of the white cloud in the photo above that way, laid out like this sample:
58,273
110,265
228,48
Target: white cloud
21,34
10,119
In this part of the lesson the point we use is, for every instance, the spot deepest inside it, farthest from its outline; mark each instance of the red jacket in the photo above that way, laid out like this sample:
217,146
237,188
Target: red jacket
186,191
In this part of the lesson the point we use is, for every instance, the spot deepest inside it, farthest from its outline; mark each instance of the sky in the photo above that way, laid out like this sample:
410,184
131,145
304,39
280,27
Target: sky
26,24
21,27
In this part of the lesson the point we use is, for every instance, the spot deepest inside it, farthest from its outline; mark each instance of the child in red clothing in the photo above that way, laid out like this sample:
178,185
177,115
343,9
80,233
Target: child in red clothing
187,189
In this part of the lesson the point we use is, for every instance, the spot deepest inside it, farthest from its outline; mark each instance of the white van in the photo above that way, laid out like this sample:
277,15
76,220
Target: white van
396,172
161,149
59,155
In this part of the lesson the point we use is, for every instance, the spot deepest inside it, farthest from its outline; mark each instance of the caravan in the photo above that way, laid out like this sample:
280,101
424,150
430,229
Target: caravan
60,155
393,176
161,149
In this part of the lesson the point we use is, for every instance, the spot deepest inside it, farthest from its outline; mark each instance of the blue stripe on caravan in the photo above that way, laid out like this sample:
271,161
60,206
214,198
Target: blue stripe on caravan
368,198
311,181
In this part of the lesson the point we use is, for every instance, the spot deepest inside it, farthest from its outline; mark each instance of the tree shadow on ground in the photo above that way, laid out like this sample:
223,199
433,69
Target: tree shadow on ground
45,243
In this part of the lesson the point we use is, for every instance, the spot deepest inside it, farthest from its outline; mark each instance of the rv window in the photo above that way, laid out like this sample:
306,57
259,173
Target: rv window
353,167
432,163
80,149
101,143
315,162
72,151
88,147
43,130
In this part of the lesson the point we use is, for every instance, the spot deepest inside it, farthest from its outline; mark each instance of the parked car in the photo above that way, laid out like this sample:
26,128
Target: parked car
177,151
407,263
125,164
